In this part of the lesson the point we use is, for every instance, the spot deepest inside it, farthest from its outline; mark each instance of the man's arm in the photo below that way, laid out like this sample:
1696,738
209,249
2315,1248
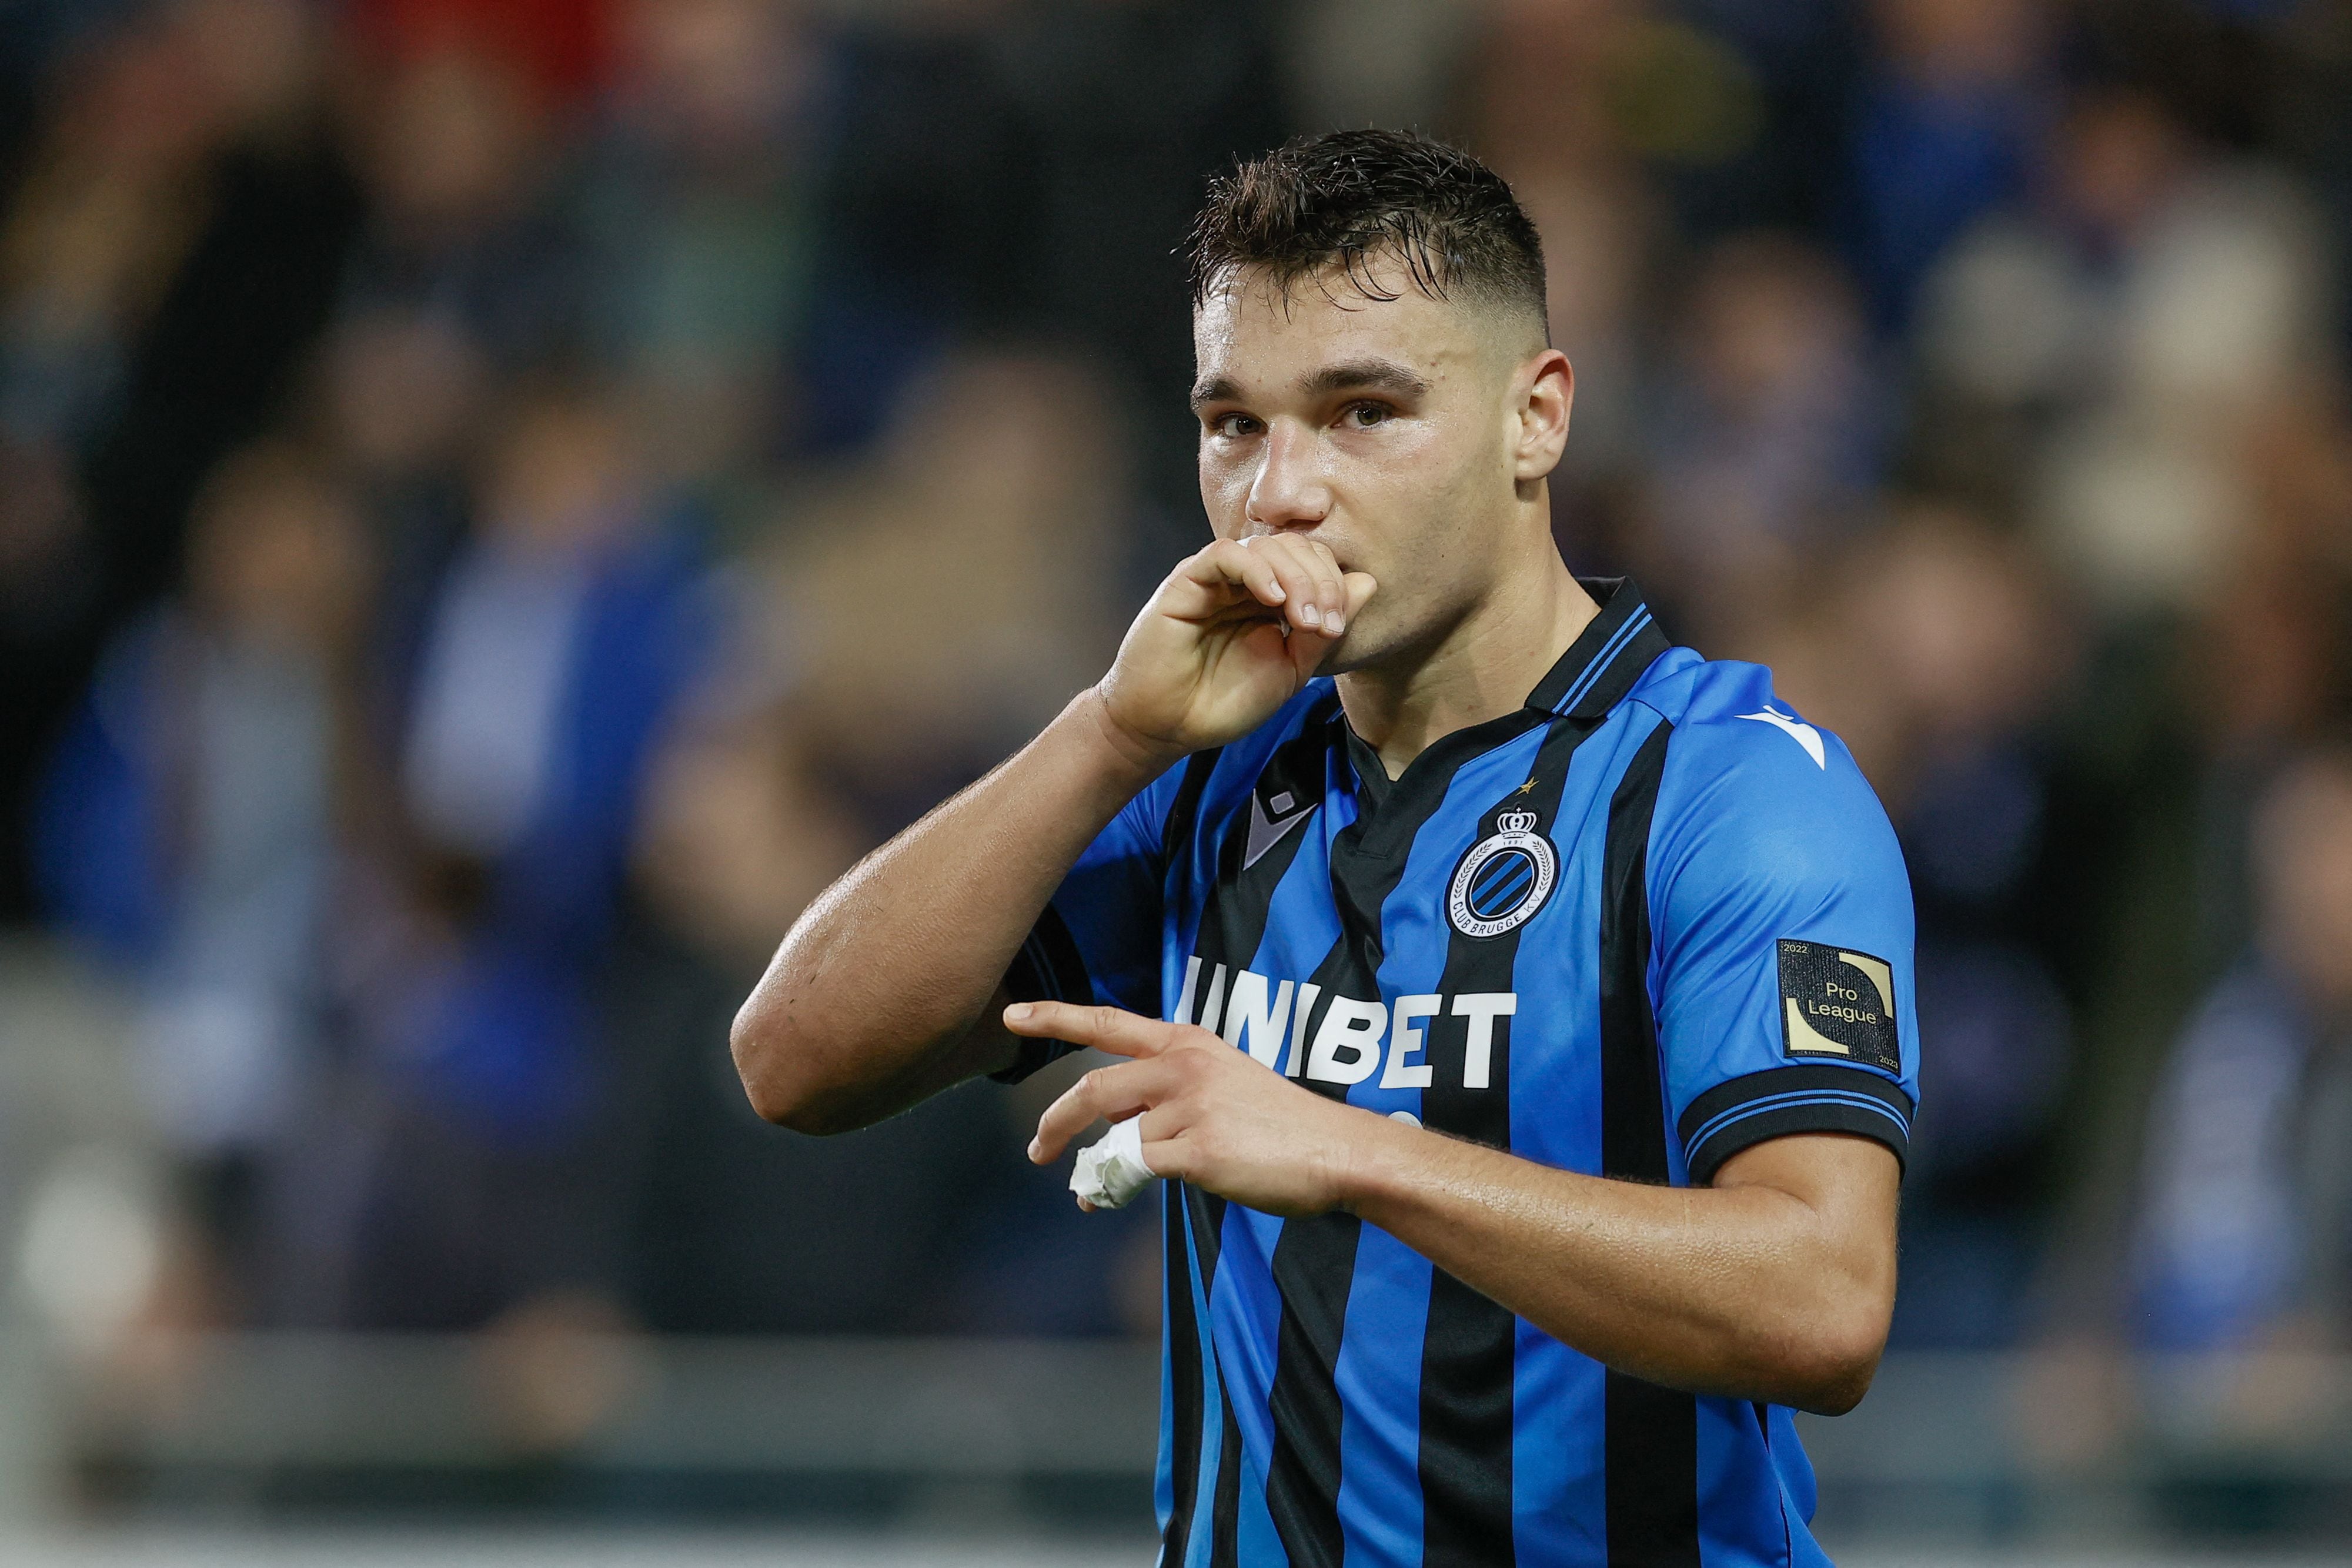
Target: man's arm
1775,1283
880,995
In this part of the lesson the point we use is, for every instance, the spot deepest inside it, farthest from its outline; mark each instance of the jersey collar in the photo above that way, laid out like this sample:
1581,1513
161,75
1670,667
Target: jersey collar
1607,657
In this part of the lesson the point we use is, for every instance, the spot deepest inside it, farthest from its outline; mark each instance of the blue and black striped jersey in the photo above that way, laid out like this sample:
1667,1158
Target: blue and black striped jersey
1644,922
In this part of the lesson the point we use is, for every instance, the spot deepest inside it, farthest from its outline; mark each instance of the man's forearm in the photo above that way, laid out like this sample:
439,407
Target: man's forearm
1745,1289
1776,1282
870,1001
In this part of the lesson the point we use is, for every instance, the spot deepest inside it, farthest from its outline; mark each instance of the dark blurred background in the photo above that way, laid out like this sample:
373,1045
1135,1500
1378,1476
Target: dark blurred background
500,500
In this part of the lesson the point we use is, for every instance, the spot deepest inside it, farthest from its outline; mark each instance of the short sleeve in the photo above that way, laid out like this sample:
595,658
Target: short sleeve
1781,943
1098,940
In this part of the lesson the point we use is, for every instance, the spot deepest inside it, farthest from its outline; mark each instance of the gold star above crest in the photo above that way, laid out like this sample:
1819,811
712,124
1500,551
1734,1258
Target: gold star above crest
1527,788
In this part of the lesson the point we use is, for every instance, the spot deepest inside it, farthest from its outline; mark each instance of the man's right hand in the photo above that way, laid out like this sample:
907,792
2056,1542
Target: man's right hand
1232,633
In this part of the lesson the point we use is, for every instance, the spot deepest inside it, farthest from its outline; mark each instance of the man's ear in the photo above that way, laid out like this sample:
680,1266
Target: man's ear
1546,384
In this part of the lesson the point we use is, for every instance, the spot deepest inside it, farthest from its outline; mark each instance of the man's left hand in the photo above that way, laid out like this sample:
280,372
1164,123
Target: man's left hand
1213,1115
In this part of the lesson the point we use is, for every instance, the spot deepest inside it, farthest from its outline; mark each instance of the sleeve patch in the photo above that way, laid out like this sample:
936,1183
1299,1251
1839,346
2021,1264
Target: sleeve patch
1838,1003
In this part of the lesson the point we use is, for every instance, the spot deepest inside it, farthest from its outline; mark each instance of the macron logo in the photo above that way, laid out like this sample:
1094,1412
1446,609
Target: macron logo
1270,820
1804,734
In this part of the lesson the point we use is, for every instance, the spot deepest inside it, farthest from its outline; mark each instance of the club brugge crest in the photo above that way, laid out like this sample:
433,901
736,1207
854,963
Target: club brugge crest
1504,879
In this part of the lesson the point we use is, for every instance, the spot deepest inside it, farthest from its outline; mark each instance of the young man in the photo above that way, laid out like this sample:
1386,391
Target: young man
1570,973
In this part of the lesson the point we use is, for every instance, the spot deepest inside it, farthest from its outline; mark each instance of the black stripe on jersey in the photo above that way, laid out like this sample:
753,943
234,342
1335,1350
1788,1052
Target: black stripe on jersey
1185,1377
1233,922
1651,1433
1225,1502
1234,907
1779,1101
1469,1346
1176,831
1314,1266
1187,1389
1047,968
1315,1260
1598,689
1052,963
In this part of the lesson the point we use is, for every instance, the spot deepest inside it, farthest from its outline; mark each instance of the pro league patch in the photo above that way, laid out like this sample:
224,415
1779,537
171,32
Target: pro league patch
1837,1002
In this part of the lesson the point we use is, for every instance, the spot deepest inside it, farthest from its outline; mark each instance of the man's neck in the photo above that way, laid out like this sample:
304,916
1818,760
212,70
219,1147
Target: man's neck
1483,668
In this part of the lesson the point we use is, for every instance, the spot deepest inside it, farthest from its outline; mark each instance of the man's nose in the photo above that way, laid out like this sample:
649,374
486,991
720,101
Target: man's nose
1289,491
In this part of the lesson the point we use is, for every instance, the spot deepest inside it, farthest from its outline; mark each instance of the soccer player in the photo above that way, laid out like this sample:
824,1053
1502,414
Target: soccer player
1518,1005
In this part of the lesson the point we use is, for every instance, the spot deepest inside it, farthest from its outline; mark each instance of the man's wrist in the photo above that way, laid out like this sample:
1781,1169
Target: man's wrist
1132,759
1375,1169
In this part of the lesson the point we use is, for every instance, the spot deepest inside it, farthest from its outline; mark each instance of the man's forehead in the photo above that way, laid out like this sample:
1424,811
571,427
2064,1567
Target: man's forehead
1251,321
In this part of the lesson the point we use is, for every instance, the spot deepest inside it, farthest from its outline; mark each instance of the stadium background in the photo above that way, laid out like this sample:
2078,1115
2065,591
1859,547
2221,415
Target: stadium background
501,499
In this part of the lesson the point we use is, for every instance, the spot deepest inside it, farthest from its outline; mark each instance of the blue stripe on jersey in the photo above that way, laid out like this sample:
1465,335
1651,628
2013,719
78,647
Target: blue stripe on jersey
1865,1103
1624,634
1163,1479
1300,927
1747,1110
1380,1369
1200,1538
1559,1507
1424,1423
1752,1524
1559,1437
1379,1385
1247,1312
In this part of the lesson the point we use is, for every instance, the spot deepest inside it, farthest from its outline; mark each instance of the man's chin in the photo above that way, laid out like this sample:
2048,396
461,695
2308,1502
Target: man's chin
1353,651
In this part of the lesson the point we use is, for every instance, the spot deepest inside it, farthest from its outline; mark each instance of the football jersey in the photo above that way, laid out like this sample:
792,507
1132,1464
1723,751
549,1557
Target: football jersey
1649,919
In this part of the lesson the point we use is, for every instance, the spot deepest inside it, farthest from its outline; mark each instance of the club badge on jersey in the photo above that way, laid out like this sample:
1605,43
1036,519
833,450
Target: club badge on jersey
1504,879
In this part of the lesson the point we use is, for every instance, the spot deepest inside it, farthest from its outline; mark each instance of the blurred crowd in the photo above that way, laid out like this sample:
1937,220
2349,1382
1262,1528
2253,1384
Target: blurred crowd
500,500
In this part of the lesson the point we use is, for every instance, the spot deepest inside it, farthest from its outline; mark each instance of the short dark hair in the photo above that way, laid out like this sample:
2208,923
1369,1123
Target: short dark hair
1335,199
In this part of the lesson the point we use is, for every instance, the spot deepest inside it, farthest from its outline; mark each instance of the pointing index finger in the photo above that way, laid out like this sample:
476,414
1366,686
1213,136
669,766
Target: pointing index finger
1113,1030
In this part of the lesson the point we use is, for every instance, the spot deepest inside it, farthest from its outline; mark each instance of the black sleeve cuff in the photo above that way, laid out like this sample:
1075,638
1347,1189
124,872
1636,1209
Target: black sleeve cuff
1781,1101
1048,969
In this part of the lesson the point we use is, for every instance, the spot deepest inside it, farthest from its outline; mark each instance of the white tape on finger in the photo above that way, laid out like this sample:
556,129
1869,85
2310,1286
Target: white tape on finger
1111,1172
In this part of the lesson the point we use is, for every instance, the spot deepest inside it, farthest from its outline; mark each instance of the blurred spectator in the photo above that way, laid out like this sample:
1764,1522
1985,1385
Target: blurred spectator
400,399
195,823
268,211
1951,112
1600,240
2274,665
738,835
557,647
698,204
561,47
948,599
457,147
1767,434
2115,344
169,253
1732,109
1536,93
899,653
51,589
1376,62
1802,60
2245,1237
1037,179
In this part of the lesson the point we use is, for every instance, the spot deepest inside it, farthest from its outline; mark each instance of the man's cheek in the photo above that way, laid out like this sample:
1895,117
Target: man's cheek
1225,497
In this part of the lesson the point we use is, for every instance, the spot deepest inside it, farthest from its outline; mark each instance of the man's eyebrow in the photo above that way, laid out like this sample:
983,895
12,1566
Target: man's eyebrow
1363,375
1348,375
1215,389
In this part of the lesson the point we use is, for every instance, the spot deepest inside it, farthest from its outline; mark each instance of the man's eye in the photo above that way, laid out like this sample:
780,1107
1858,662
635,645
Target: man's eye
1364,415
1231,425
